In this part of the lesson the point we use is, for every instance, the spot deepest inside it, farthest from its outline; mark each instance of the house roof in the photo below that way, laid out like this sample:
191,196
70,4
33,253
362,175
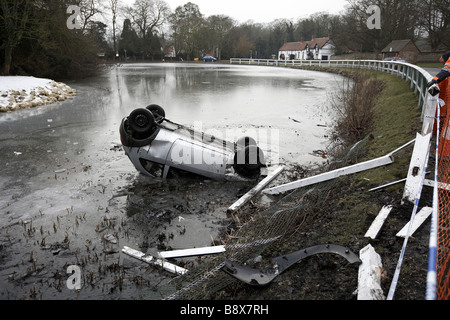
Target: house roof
293,46
424,45
301,45
397,45
321,42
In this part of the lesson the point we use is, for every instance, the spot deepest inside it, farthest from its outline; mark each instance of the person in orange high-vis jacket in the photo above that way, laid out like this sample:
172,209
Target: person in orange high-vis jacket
444,73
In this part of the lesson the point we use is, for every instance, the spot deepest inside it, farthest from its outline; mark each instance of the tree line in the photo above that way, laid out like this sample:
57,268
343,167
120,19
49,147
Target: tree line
46,39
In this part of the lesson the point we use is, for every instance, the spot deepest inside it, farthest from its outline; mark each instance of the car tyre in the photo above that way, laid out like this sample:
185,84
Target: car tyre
137,140
141,121
245,142
158,112
244,161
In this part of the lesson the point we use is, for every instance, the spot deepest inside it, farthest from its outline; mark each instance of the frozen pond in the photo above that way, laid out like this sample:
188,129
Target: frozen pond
257,101
63,180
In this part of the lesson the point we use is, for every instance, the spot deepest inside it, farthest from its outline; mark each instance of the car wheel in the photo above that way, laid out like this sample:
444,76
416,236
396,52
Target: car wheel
244,142
141,121
138,140
158,112
248,161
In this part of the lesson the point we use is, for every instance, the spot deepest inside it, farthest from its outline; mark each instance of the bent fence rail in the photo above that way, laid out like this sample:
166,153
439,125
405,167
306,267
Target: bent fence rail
438,278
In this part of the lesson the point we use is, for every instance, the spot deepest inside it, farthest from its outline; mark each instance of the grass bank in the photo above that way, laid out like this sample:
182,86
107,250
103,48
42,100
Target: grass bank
341,211
397,119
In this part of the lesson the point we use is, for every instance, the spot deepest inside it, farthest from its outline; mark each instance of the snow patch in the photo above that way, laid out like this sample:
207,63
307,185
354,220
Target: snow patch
18,92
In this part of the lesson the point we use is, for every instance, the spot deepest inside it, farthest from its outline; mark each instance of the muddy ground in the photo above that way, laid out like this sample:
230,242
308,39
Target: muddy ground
183,212
92,206
131,210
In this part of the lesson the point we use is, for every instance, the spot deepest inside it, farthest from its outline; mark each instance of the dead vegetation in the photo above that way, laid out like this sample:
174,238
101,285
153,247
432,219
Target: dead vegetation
354,105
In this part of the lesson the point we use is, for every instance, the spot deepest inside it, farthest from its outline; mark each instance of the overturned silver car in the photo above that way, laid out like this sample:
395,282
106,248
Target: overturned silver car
156,146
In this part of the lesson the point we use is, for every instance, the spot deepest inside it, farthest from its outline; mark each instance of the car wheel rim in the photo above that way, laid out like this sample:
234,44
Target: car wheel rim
141,120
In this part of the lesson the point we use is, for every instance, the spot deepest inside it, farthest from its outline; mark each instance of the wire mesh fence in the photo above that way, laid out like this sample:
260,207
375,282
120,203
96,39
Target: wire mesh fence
443,254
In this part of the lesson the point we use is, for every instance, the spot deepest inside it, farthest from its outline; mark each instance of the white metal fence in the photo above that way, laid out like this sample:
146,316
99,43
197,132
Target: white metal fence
418,79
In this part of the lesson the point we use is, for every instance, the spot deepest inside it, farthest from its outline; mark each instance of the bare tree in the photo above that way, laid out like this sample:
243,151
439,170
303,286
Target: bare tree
14,18
218,27
114,6
238,42
89,9
148,15
187,23
435,21
398,21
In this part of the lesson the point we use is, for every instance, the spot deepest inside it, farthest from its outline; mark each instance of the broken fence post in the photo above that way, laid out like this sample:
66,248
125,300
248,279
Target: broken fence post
378,222
387,185
253,192
441,185
330,175
419,219
212,250
369,275
152,260
191,252
417,165
363,166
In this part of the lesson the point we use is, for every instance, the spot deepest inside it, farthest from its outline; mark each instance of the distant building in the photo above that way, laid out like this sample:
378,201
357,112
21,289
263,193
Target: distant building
316,49
169,52
405,49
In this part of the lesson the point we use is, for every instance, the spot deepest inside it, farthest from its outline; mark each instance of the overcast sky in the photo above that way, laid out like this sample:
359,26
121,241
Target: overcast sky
261,11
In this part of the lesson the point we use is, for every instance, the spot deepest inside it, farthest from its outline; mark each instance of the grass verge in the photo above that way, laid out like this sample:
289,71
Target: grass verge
395,122
343,211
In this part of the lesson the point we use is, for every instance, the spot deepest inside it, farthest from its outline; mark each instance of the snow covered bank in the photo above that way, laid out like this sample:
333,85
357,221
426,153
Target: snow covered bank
17,92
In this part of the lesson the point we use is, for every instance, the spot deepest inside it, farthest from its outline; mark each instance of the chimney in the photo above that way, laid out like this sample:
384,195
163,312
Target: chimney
313,37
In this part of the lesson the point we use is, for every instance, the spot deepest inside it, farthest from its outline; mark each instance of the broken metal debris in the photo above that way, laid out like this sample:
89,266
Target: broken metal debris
253,192
387,185
417,167
363,166
153,261
419,219
368,285
191,252
331,175
369,275
440,185
257,277
376,225
212,250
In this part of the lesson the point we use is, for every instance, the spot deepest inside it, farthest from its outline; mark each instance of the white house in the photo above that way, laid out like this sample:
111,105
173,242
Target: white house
316,49
169,52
